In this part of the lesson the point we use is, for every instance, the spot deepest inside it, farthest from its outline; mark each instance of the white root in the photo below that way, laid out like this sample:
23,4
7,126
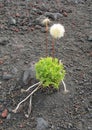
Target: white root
30,95
15,110
23,90
65,89
30,107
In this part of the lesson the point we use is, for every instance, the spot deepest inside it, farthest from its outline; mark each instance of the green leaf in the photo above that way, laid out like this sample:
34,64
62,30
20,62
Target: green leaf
50,72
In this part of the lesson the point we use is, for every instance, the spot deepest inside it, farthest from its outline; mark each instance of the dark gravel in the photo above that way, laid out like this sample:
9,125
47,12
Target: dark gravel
22,42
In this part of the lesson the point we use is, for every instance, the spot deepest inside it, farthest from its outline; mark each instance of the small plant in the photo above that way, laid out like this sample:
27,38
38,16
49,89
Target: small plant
49,72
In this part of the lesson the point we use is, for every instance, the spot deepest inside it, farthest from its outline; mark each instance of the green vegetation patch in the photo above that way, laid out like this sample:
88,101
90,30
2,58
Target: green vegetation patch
50,72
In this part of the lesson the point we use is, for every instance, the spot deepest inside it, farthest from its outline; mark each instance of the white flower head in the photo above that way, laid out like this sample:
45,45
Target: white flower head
57,31
46,21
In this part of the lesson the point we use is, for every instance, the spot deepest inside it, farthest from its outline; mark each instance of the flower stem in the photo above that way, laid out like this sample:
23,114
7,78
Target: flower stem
46,39
53,48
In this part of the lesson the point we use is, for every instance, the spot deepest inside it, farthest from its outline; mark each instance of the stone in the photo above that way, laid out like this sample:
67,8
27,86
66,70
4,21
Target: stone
34,10
8,116
14,70
4,113
43,30
11,21
70,125
53,16
89,128
4,41
76,1
7,76
89,38
41,124
29,74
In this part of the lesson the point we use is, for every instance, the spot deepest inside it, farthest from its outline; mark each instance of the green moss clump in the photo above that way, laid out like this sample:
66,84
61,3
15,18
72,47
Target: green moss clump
50,72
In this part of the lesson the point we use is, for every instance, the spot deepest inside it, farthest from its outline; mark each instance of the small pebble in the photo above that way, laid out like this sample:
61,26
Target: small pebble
11,21
4,41
53,16
14,70
4,113
29,74
89,38
7,76
89,128
41,124
8,116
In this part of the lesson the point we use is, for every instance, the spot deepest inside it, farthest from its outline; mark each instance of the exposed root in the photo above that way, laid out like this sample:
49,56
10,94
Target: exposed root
30,95
30,107
65,89
23,90
15,110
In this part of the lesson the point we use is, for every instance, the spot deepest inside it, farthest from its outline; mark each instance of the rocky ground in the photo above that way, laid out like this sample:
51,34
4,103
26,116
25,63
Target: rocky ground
22,42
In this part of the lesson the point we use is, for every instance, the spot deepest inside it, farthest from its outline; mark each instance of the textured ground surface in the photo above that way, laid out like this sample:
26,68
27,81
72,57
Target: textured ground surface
22,41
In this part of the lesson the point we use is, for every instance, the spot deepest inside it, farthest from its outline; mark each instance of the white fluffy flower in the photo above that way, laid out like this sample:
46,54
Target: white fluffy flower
46,21
57,31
